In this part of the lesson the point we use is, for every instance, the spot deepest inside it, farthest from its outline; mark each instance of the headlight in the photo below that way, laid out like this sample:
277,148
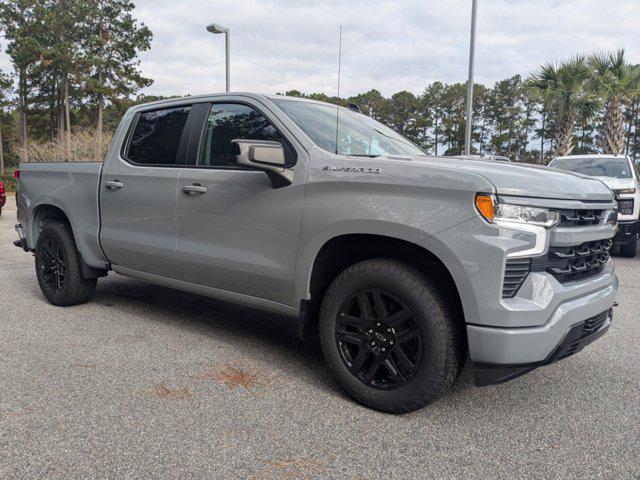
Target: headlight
611,216
625,207
506,212
625,191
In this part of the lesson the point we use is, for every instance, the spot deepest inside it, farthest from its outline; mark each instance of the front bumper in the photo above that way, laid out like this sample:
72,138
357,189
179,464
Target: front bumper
511,335
579,336
530,345
627,232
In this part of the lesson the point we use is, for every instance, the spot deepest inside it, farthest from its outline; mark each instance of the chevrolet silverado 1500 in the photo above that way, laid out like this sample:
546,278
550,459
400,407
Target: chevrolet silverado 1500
404,263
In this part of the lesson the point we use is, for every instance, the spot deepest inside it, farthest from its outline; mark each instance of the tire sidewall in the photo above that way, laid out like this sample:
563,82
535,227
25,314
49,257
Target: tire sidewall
425,314
69,253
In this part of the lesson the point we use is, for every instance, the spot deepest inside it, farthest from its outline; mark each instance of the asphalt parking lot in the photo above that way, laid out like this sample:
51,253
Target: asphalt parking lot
145,382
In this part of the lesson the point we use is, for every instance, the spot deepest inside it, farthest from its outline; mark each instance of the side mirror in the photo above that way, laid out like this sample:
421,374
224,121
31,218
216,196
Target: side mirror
264,155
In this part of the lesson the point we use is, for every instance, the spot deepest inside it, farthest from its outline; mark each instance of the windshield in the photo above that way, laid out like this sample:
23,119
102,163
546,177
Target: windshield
596,167
356,134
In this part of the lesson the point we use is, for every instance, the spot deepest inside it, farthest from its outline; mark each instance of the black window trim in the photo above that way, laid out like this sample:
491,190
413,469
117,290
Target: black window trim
197,138
185,137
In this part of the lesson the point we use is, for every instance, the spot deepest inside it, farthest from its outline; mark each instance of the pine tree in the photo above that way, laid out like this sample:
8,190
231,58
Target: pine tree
432,101
22,23
371,103
63,55
6,86
113,41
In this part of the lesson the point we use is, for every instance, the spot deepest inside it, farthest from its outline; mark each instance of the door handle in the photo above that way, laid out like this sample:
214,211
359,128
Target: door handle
114,185
195,188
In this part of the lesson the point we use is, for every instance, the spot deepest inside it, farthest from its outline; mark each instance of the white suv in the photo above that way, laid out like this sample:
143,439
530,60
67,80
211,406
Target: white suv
619,173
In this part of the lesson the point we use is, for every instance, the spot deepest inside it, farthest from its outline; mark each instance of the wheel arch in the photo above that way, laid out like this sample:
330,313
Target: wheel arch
41,215
46,213
341,251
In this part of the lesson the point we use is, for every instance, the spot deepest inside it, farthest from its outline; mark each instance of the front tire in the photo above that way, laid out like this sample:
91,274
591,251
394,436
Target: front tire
390,337
59,267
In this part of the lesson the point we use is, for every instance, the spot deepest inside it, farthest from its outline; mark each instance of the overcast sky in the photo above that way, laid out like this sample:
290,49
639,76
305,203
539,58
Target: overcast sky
278,45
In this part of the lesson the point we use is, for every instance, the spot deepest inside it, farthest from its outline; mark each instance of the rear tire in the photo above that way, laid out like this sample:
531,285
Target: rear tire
59,267
630,249
409,336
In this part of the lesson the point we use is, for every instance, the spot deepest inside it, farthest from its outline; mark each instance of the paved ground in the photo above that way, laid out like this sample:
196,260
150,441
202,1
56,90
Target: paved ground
143,383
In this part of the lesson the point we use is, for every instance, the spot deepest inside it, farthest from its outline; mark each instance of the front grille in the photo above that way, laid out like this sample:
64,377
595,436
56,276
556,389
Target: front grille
515,273
581,218
568,264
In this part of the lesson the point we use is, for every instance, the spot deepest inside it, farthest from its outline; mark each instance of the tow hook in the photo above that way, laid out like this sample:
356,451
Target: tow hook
22,243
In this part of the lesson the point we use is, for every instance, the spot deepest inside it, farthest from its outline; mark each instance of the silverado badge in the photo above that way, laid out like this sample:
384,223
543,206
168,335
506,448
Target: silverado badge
336,168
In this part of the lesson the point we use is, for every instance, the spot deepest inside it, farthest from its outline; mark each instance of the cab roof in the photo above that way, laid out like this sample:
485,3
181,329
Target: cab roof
218,96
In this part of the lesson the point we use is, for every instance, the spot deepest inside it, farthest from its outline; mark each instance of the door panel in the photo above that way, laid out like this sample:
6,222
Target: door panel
139,219
241,235
235,231
138,192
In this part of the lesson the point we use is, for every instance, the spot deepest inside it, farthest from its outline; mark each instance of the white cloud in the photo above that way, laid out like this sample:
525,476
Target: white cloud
277,45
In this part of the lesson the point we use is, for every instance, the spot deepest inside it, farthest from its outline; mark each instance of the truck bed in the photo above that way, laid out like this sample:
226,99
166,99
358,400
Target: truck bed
71,187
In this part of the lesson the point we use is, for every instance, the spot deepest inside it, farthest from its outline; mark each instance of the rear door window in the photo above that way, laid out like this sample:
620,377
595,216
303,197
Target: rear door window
157,136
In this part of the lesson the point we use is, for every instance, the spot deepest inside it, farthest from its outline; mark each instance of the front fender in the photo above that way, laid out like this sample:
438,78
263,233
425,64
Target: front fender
308,251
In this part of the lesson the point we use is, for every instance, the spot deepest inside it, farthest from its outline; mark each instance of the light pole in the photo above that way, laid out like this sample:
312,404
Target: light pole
215,28
472,51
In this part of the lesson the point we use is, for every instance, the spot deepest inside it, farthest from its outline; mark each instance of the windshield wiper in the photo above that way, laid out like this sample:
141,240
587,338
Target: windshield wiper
363,155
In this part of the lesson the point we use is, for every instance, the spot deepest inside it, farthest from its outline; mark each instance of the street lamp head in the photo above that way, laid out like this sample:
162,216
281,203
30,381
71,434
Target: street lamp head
215,28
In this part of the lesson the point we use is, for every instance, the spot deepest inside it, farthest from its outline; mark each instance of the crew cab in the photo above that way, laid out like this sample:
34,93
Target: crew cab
618,172
404,263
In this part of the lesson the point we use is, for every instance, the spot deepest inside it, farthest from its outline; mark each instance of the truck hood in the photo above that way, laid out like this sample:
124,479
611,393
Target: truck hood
617,183
526,180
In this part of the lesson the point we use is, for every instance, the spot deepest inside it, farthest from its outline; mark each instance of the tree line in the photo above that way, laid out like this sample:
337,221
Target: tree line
76,68
71,59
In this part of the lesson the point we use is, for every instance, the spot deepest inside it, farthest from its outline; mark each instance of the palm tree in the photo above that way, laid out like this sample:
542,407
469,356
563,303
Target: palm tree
615,81
561,88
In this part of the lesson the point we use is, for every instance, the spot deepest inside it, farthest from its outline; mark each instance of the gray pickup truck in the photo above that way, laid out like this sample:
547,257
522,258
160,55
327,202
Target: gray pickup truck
404,263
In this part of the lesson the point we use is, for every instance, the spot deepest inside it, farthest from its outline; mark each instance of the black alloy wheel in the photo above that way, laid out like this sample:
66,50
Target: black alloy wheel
59,267
391,334
378,339
53,266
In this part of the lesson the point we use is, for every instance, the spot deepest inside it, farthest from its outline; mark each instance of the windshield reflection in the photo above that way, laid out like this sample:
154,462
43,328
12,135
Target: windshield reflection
345,132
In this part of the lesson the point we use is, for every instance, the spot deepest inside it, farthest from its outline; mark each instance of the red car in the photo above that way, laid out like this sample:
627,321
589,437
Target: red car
3,196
